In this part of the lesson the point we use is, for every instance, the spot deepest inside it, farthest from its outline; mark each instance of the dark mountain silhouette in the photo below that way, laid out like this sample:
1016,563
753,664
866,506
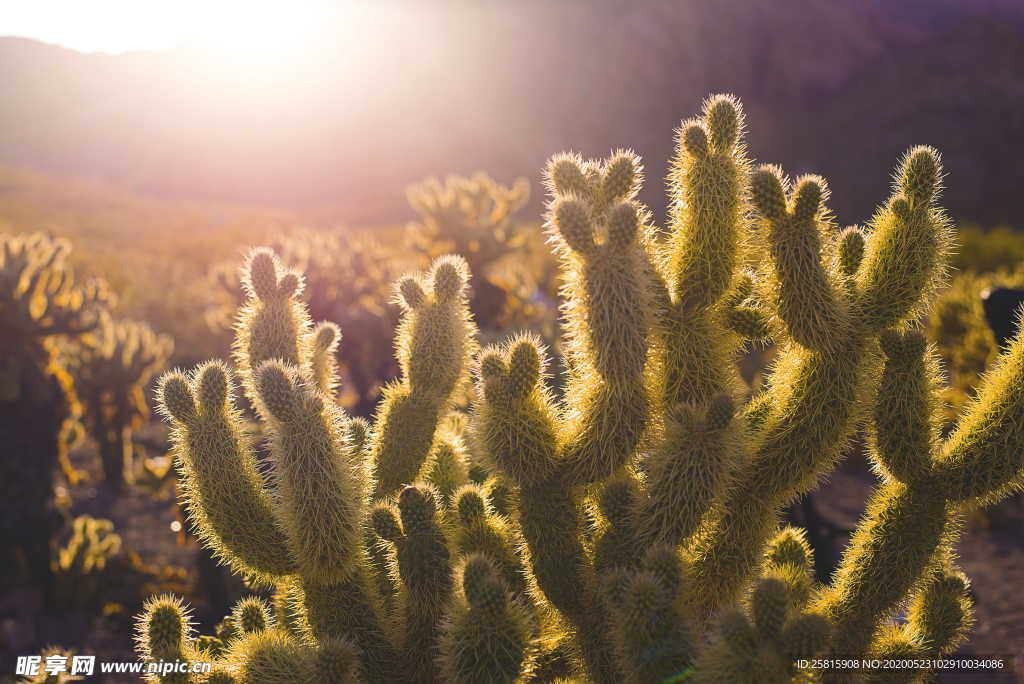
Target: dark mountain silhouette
839,87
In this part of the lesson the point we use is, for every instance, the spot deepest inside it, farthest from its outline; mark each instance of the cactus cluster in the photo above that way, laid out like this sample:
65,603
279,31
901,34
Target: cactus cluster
39,302
628,531
111,370
475,218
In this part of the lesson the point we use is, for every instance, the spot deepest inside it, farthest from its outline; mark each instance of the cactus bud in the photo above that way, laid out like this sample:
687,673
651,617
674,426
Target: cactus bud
163,628
261,274
417,509
492,365
919,174
276,390
767,192
385,523
623,223
336,661
806,636
851,250
176,397
617,500
790,547
470,503
695,140
662,561
723,121
290,286
449,278
252,615
769,605
620,177
524,368
810,190
720,412
412,292
738,633
567,177
326,336
213,386
572,220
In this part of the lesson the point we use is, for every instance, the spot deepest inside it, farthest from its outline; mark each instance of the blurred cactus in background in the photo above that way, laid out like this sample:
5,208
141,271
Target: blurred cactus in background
78,567
39,301
111,369
960,327
630,531
475,217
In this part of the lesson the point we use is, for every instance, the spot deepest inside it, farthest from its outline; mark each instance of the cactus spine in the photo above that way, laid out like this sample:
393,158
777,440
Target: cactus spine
629,531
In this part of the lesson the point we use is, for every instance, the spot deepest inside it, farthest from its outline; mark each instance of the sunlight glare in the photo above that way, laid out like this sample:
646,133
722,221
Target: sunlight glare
260,44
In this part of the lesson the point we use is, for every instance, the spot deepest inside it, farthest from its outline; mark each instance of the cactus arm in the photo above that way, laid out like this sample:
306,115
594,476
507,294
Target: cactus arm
486,631
688,470
163,633
224,495
813,411
424,566
480,530
320,495
903,527
651,636
983,460
708,184
807,300
434,341
273,324
905,436
904,258
595,223
323,366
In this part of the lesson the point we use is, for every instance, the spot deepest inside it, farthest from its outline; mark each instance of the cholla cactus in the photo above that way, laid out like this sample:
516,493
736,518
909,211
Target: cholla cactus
348,278
111,370
630,531
474,217
79,565
958,327
39,300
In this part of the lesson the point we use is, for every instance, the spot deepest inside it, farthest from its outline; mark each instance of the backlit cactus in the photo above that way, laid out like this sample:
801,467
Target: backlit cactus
628,530
111,370
39,301
475,217
79,565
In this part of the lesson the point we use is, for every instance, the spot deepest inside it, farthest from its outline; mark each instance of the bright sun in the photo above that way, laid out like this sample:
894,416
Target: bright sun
258,32
261,34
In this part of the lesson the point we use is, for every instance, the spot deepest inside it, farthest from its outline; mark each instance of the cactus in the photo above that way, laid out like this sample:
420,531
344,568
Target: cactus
627,531
78,567
475,217
347,280
39,300
111,370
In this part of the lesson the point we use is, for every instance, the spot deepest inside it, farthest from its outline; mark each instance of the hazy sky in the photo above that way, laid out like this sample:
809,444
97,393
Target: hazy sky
119,25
